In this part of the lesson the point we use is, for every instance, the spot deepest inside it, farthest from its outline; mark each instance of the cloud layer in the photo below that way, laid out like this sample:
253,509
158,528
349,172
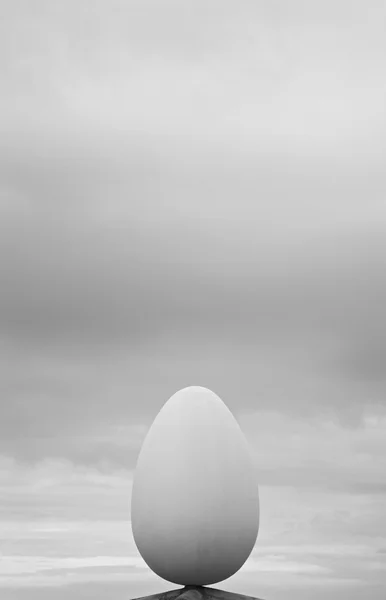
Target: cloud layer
192,193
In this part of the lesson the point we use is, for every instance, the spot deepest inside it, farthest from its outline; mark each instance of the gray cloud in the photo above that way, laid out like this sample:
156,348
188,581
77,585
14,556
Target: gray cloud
193,193
108,307
188,195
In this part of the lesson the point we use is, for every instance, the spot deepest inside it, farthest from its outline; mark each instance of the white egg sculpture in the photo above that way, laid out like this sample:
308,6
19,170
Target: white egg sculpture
195,504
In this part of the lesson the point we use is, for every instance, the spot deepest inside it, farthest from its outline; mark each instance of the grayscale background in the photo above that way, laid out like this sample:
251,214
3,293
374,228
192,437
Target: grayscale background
192,193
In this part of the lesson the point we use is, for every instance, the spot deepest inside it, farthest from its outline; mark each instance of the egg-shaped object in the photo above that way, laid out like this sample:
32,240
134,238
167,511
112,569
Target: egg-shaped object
195,504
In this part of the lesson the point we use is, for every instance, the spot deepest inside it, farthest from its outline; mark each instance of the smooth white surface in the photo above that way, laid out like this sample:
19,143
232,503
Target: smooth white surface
195,507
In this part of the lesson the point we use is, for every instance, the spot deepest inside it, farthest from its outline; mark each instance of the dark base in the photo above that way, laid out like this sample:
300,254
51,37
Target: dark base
196,592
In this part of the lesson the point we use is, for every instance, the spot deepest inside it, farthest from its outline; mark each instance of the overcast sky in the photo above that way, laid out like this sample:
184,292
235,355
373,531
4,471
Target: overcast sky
192,193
